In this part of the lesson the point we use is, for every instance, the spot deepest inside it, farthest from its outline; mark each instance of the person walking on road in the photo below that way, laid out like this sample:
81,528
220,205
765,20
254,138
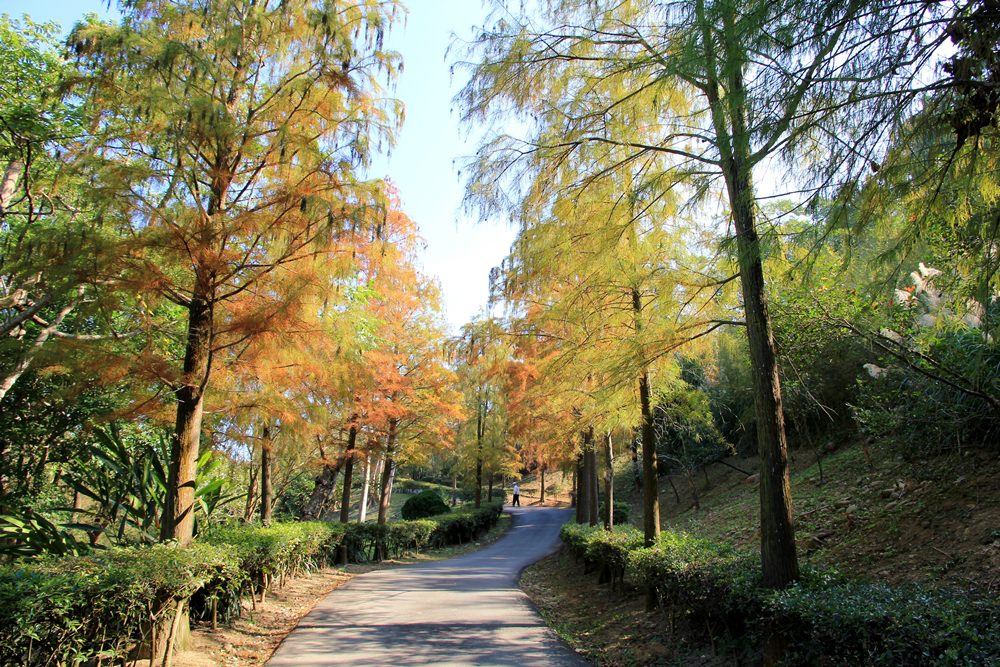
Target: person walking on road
516,502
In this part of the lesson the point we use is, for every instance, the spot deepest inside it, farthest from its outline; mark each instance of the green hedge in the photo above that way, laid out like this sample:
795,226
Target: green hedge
465,525
78,609
826,618
368,541
269,553
81,609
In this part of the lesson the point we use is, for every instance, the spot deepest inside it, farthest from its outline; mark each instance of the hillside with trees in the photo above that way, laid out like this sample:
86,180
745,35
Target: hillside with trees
747,327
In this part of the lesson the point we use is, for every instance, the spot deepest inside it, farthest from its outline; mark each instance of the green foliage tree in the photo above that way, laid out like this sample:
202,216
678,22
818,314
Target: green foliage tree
58,262
727,89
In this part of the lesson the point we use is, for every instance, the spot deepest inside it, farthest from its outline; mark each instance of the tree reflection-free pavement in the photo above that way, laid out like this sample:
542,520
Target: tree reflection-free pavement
463,611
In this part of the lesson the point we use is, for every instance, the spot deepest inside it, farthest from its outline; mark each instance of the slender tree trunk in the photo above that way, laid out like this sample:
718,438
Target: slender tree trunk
593,502
650,491
178,514
574,491
376,485
778,557
366,484
694,489
251,505
489,493
677,496
479,455
609,482
454,490
581,488
388,472
266,485
345,501
541,492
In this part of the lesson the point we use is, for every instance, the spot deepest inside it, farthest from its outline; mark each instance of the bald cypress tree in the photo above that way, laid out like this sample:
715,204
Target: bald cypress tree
238,128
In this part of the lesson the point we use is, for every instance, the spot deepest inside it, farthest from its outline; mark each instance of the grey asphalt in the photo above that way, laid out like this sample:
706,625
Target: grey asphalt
463,611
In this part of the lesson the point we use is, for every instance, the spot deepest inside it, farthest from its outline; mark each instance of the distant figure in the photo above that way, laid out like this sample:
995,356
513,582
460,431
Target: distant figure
517,496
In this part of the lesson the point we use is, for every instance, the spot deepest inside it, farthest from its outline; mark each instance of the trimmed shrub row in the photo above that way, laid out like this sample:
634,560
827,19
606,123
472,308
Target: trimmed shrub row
98,608
81,609
368,541
825,618
265,554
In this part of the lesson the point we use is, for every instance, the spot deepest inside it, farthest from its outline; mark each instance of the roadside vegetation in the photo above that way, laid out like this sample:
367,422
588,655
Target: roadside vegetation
752,309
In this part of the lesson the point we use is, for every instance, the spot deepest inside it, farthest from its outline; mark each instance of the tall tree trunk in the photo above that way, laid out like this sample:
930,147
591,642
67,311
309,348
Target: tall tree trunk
251,505
366,485
489,493
580,473
345,500
479,455
178,513
388,472
541,491
650,492
609,482
778,557
593,504
454,489
266,485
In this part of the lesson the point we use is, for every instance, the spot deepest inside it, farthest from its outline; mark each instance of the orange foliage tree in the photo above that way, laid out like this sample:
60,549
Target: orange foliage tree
236,129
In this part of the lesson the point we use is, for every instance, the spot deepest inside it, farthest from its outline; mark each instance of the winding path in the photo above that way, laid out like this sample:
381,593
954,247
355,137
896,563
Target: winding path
463,611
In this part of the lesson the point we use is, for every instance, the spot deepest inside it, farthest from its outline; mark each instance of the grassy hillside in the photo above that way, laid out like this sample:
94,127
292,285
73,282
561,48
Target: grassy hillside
866,509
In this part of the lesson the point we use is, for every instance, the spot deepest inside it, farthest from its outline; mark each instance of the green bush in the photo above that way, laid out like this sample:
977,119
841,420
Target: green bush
825,618
279,550
870,623
73,610
425,504
465,525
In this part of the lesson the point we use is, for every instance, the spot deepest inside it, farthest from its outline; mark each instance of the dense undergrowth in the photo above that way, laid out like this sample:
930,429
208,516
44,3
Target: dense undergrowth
100,607
825,618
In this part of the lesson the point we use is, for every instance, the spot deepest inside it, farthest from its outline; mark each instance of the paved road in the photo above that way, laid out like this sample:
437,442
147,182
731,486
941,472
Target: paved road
464,611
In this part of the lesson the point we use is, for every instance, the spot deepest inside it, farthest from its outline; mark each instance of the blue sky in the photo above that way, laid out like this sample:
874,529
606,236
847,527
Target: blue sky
460,251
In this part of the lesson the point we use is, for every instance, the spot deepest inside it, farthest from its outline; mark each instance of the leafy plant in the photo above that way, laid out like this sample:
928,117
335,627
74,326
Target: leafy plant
424,504
125,477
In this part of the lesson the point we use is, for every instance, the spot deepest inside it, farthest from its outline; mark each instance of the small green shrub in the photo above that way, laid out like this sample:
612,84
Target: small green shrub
425,504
